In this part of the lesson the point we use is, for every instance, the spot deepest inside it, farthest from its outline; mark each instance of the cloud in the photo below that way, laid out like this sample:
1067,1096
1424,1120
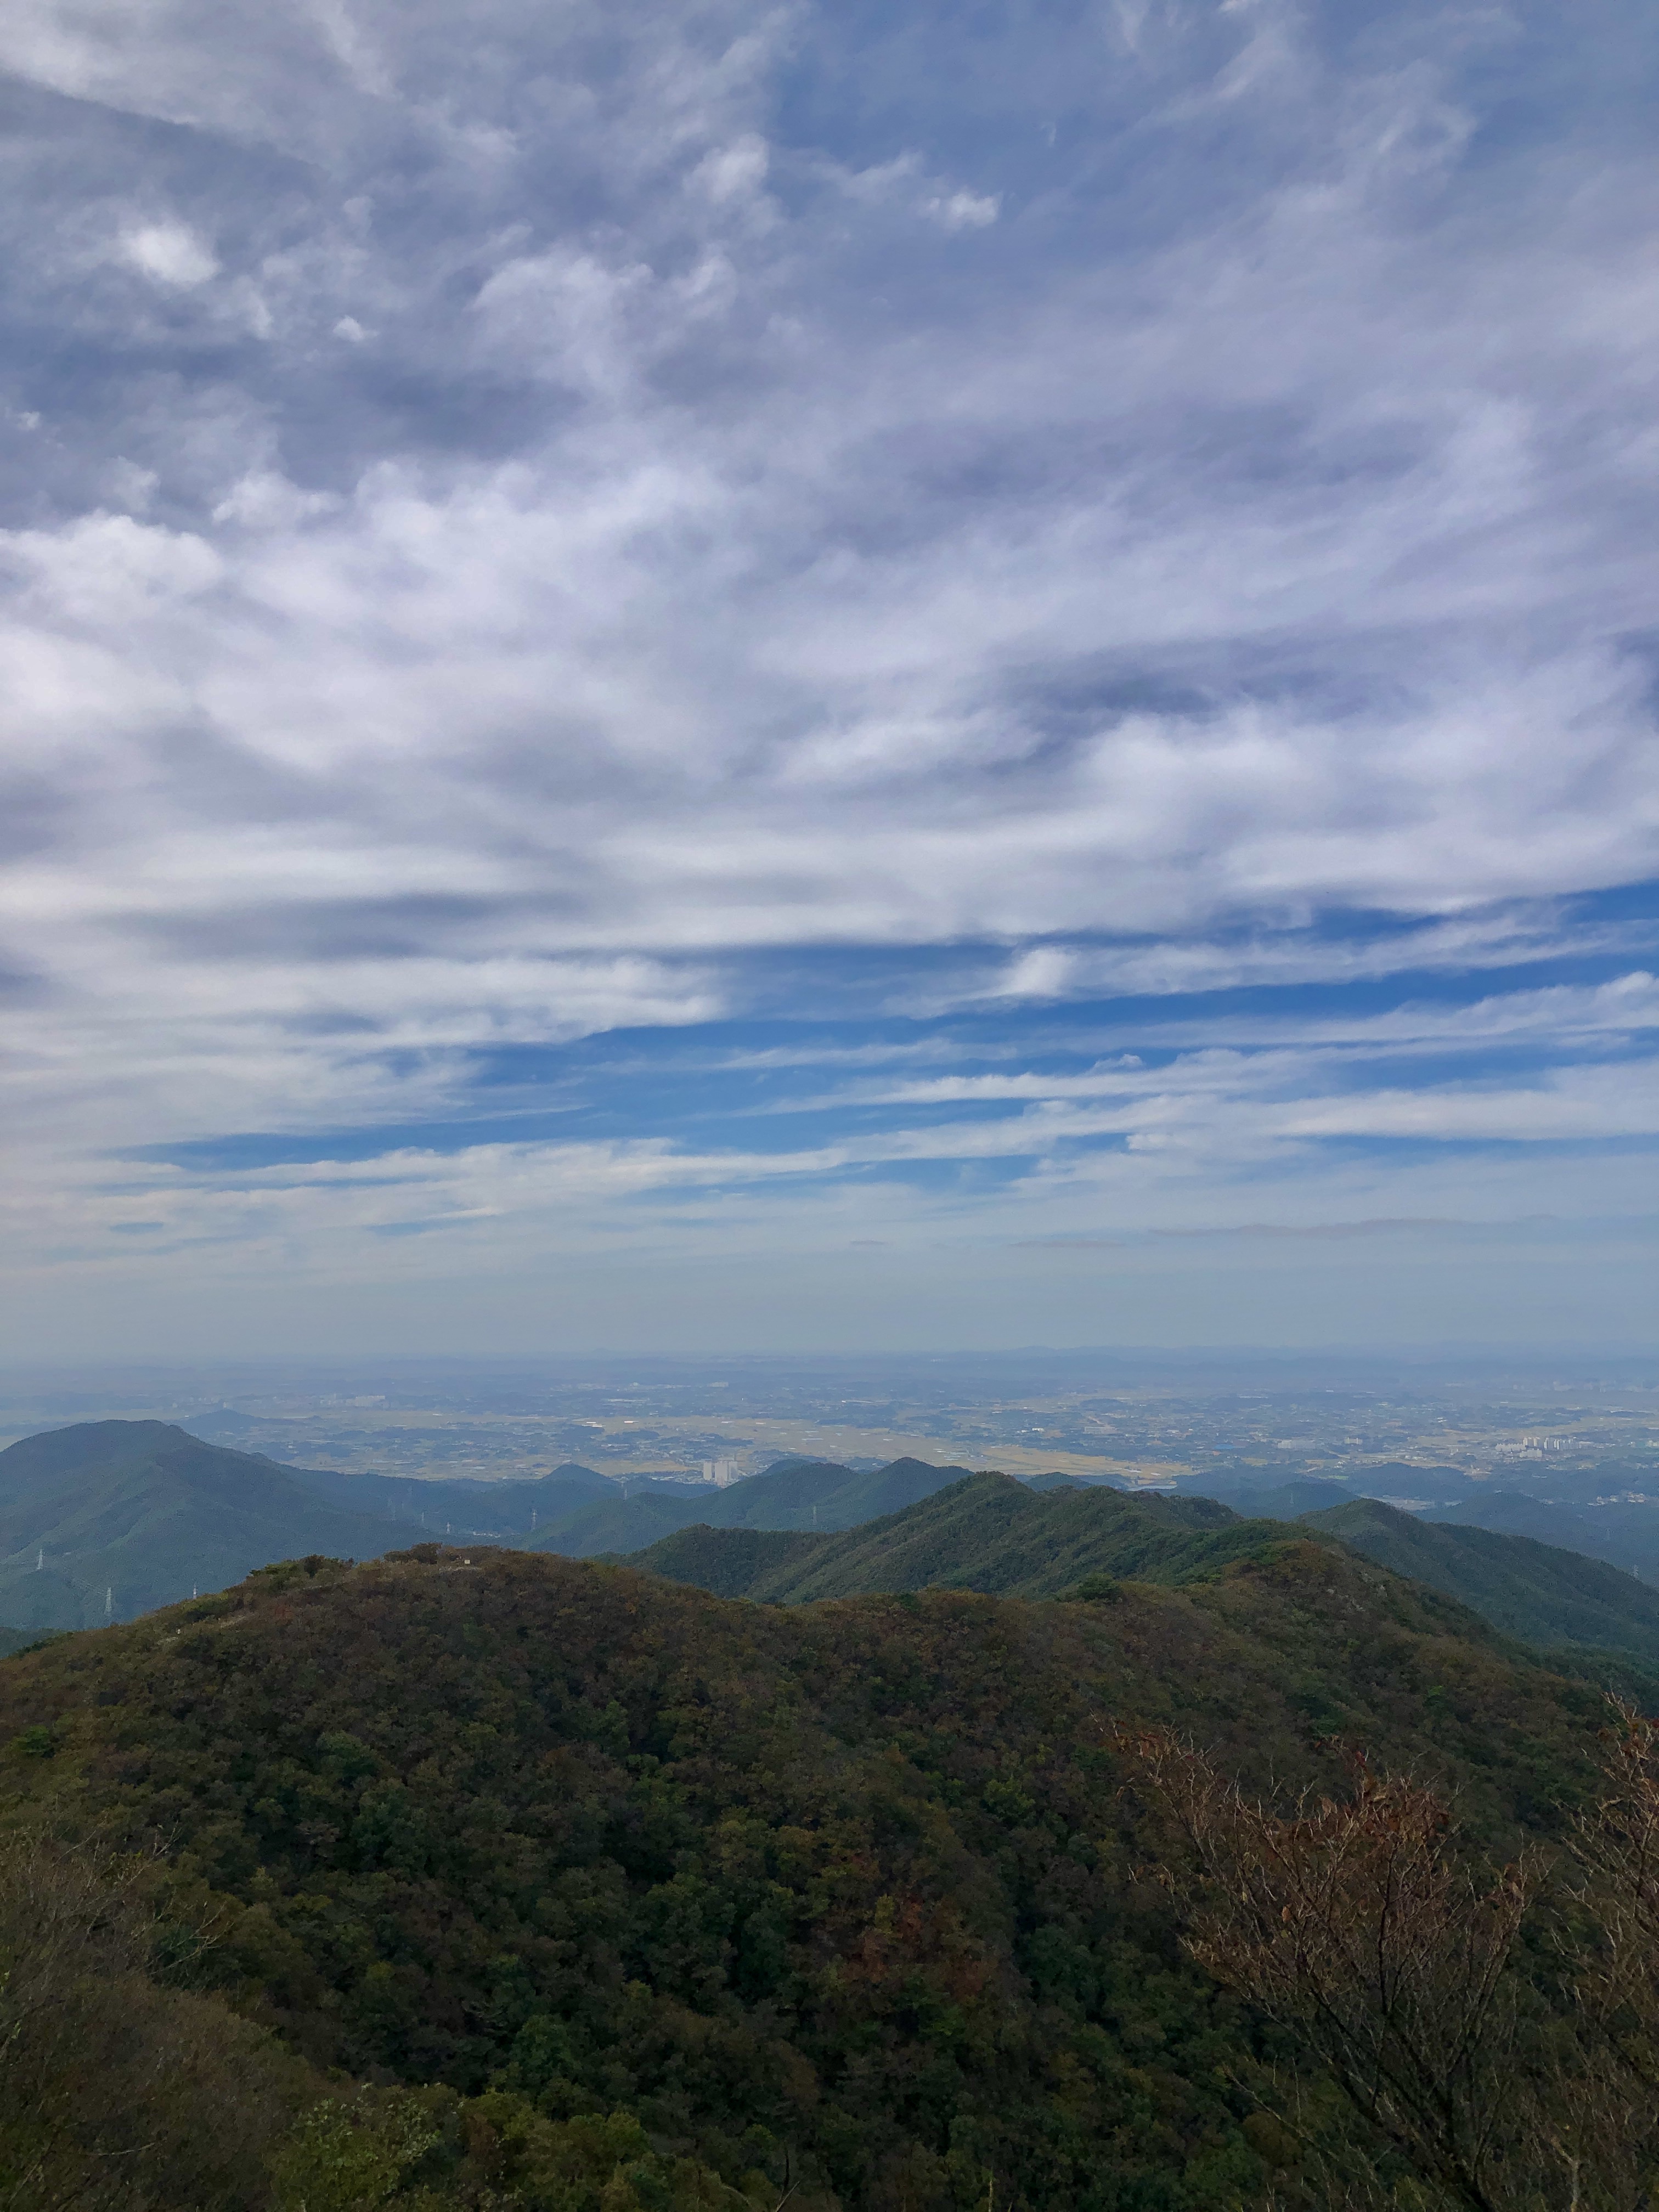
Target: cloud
169,254
962,210
532,533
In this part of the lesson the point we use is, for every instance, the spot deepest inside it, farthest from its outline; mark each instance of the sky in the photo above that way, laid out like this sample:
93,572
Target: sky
728,675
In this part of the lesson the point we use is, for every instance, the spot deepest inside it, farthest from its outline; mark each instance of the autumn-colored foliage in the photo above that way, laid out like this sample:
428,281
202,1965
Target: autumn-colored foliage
1491,2029
522,1883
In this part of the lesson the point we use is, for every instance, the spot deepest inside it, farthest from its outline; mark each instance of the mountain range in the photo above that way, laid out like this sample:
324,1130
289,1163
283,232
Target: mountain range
107,1519
1602,1512
481,1878
990,1533
803,1495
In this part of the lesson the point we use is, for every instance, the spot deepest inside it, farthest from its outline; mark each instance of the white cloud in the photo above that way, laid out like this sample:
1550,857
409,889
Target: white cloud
105,572
169,254
963,210
708,556
736,171
263,500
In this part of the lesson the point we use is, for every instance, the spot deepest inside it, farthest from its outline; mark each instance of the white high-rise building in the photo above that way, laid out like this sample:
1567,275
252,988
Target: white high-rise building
721,1471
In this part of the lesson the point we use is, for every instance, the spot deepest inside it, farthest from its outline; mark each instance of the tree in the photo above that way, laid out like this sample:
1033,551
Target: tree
1493,2032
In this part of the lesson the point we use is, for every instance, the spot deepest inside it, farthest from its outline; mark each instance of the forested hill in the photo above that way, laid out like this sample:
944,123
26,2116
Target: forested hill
128,1514
1536,1591
684,1905
991,1534
134,1514
511,1507
986,1533
1602,1511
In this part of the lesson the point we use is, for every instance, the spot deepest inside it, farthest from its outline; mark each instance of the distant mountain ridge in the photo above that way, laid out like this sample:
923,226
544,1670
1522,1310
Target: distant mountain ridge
109,1518
993,1534
1540,1593
1589,1511
796,1495
511,1506
129,1515
986,1533
102,1519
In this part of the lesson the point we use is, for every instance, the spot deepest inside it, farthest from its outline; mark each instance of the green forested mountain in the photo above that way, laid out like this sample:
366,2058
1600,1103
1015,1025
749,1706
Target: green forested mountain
662,1901
139,1513
751,1563
986,1533
991,1534
134,1514
1622,1530
1545,1595
617,1524
862,1498
796,1494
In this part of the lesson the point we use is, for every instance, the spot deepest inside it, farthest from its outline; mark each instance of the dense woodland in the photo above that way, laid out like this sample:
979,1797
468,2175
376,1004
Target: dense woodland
488,1878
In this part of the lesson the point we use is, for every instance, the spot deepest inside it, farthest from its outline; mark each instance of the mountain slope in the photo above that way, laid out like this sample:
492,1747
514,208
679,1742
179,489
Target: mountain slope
783,1495
1534,1591
617,1524
883,1490
991,1534
840,1901
728,1562
1583,1512
1625,1535
137,1513
986,1533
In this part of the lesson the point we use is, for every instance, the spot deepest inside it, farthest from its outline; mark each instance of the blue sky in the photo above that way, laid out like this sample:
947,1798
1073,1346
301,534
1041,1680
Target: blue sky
744,677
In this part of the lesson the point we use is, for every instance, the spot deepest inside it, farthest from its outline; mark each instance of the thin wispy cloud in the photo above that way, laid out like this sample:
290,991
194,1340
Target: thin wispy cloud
636,567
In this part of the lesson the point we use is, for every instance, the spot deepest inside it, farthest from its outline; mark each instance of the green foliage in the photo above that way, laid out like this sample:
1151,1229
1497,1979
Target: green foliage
651,1900
1530,1590
1098,1590
986,1533
350,2158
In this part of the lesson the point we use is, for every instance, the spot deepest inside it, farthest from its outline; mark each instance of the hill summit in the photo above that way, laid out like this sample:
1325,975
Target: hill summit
104,1519
616,1897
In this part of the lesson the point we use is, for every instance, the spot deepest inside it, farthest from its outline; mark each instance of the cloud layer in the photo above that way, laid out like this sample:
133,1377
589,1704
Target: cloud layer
654,523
